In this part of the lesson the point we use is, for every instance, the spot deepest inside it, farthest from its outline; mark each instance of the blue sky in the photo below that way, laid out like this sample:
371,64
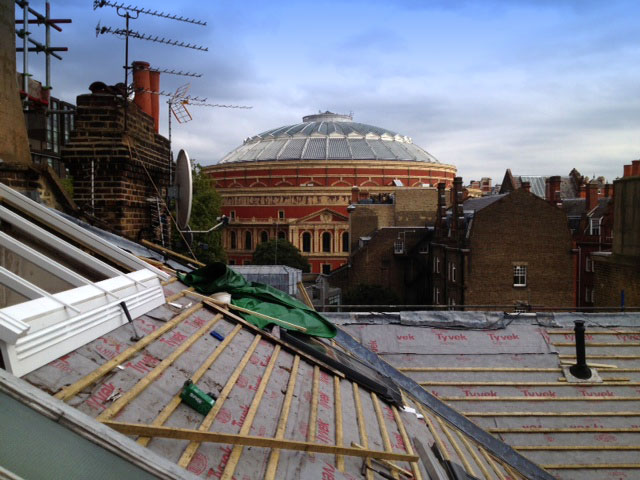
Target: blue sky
539,86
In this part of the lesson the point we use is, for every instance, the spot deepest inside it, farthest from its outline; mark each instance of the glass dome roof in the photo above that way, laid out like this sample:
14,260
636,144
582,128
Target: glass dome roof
328,136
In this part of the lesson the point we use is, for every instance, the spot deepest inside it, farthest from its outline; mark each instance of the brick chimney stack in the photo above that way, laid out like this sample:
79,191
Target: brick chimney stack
458,211
526,186
554,189
592,195
635,168
627,171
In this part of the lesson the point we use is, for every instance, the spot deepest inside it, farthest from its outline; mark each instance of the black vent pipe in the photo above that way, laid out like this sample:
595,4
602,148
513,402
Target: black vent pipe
580,369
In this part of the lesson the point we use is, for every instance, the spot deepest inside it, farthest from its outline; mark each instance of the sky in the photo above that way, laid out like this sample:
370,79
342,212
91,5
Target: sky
537,86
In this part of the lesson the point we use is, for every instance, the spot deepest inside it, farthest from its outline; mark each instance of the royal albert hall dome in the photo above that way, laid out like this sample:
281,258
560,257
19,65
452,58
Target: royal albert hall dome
296,182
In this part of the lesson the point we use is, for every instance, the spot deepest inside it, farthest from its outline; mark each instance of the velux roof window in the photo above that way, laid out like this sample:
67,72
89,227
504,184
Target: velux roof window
61,286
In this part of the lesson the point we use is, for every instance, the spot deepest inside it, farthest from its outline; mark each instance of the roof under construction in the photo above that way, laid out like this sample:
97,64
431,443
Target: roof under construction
447,395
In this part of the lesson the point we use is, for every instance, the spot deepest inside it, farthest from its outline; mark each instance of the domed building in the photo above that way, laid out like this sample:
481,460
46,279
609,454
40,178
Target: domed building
296,182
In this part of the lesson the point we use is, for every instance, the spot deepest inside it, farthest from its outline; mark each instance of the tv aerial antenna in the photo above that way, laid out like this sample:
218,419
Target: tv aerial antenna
129,12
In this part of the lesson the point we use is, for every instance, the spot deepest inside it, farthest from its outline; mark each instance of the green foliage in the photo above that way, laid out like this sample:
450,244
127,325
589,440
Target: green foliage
365,294
280,252
205,208
67,184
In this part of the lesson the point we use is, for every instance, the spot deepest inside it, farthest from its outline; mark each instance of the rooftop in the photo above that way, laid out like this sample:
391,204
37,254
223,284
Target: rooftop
328,136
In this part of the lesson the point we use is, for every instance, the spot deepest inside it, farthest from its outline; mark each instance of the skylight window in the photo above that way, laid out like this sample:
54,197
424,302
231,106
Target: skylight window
54,296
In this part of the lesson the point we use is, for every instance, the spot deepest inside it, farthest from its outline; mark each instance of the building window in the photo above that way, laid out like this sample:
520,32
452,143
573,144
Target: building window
588,295
326,269
436,296
451,271
589,265
233,240
398,246
326,242
281,235
594,226
519,275
306,242
264,237
436,265
248,241
232,214
280,214
232,261
345,242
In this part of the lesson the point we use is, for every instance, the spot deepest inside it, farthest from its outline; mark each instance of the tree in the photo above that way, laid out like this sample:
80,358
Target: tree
205,208
280,252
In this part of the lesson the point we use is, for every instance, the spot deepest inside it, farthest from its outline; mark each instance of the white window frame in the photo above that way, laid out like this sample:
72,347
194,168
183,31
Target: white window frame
520,272
48,326
436,296
595,226
398,246
451,271
436,264
589,265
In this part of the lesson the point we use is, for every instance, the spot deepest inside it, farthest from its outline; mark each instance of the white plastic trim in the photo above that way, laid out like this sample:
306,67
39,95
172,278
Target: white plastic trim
57,244
52,335
42,261
70,229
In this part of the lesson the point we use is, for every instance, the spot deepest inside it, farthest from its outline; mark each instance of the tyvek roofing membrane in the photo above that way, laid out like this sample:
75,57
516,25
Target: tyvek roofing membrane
314,397
518,391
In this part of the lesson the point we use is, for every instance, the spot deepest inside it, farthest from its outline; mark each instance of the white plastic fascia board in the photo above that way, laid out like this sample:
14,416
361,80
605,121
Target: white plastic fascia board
11,329
34,350
76,232
42,261
44,312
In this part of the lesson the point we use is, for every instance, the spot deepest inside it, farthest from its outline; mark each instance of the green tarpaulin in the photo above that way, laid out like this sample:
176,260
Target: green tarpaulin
257,297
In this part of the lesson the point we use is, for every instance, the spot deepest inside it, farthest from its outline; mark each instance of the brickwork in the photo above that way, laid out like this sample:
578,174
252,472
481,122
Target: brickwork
613,276
620,271
114,173
14,145
377,263
520,229
473,263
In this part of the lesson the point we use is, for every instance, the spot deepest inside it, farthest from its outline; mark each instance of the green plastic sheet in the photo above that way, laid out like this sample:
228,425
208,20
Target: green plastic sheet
217,277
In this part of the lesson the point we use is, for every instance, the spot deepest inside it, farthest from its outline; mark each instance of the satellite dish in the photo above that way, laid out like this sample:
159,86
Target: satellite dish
184,185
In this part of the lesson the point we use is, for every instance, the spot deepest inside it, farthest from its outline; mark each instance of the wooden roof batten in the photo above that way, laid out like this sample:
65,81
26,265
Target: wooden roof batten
476,457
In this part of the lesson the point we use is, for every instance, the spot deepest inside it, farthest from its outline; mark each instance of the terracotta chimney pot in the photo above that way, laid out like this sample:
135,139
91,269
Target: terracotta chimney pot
142,86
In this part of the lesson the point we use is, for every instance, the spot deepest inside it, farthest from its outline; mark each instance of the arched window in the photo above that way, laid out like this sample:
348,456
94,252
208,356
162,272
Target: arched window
281,235
306,242
345,242
233,240
326,242
264,237
248,241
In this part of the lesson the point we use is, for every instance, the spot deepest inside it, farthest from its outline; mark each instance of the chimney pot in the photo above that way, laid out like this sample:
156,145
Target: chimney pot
526,186
142,86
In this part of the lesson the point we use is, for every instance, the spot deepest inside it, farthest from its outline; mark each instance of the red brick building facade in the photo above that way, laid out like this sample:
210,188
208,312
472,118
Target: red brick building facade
501,250
296,183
